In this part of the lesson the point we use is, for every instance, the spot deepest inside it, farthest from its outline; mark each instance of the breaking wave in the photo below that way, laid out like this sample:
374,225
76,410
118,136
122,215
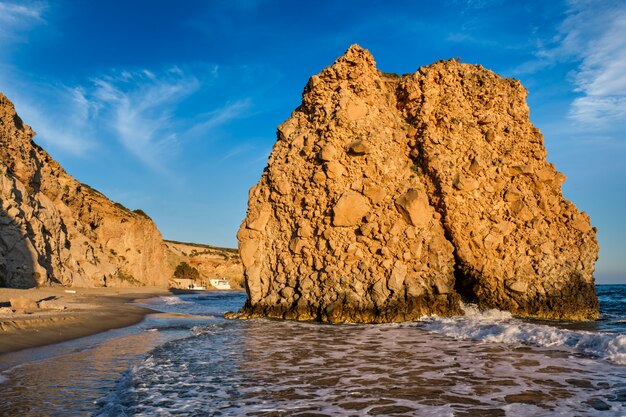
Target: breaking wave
501,327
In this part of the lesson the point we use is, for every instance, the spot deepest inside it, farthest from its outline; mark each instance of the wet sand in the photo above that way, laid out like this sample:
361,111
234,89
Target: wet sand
65,315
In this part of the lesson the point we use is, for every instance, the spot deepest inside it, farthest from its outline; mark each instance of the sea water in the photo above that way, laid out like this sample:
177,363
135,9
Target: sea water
486,363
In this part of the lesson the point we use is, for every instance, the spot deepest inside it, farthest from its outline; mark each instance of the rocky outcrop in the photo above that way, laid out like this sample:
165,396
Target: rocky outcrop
55,230
387,198
210,261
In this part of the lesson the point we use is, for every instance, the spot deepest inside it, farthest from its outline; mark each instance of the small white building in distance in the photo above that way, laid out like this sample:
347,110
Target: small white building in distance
220,284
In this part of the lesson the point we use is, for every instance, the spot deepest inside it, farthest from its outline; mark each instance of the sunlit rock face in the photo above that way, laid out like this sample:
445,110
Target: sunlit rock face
55,230
387,198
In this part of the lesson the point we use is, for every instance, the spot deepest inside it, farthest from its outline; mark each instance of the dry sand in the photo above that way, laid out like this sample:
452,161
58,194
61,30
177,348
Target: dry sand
64,315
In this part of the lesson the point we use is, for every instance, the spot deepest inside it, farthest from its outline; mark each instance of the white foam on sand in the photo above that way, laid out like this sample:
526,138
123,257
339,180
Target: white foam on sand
487,363
263,366
3,379
500,327
174,300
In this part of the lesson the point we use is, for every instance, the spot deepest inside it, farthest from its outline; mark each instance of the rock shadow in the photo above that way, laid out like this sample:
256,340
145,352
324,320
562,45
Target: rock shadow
18,259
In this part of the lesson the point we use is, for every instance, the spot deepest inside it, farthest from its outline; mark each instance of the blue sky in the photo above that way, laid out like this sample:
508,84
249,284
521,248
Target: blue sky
172,107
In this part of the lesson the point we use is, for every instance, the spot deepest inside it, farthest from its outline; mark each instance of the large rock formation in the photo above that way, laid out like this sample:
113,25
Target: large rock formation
387,198
55,230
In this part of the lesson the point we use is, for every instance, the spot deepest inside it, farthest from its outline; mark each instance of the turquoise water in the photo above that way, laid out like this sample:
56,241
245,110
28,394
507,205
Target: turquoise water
484,364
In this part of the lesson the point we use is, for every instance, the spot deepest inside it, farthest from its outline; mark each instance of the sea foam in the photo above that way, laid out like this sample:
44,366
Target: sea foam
174,300
494,365
500,327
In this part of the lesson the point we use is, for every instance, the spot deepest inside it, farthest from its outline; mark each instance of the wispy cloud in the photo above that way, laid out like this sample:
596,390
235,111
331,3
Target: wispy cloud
220,116
152,113
237,150
601,77
599,110
226,113
59,114
474,4
17,17
140,105
73,134
592,36
468,39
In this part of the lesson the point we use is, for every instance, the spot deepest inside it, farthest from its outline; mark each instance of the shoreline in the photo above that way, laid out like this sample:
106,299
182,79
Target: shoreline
66,316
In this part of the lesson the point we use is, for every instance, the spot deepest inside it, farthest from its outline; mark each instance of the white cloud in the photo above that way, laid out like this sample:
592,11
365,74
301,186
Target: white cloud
237,150
151,112
13,13
598,110
593,38
473,4
71,135
594,34
18,17
221,116
60,115
140,105
139,108
603,71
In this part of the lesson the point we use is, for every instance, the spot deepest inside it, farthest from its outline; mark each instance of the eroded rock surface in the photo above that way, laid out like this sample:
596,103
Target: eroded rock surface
519,245
387,198
55,230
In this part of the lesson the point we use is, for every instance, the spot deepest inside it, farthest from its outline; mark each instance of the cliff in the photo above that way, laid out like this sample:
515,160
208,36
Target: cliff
55,230
387,198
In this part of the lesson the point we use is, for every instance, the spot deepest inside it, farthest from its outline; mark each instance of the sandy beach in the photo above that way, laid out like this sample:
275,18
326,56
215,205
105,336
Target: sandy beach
51,315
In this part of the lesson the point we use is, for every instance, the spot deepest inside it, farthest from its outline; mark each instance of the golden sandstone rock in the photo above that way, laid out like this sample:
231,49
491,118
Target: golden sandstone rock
55,230
436,189
350,209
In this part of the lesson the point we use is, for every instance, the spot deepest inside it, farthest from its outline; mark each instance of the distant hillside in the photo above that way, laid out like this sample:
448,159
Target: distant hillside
201,245
210,261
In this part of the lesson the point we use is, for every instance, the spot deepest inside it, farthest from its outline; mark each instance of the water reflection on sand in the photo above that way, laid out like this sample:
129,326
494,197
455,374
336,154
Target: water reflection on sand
60,386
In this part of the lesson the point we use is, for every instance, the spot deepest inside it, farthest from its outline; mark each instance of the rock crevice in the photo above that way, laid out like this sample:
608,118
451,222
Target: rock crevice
387,198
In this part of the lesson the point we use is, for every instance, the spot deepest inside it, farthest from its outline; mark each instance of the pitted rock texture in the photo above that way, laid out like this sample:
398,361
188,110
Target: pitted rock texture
387,198
55,230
